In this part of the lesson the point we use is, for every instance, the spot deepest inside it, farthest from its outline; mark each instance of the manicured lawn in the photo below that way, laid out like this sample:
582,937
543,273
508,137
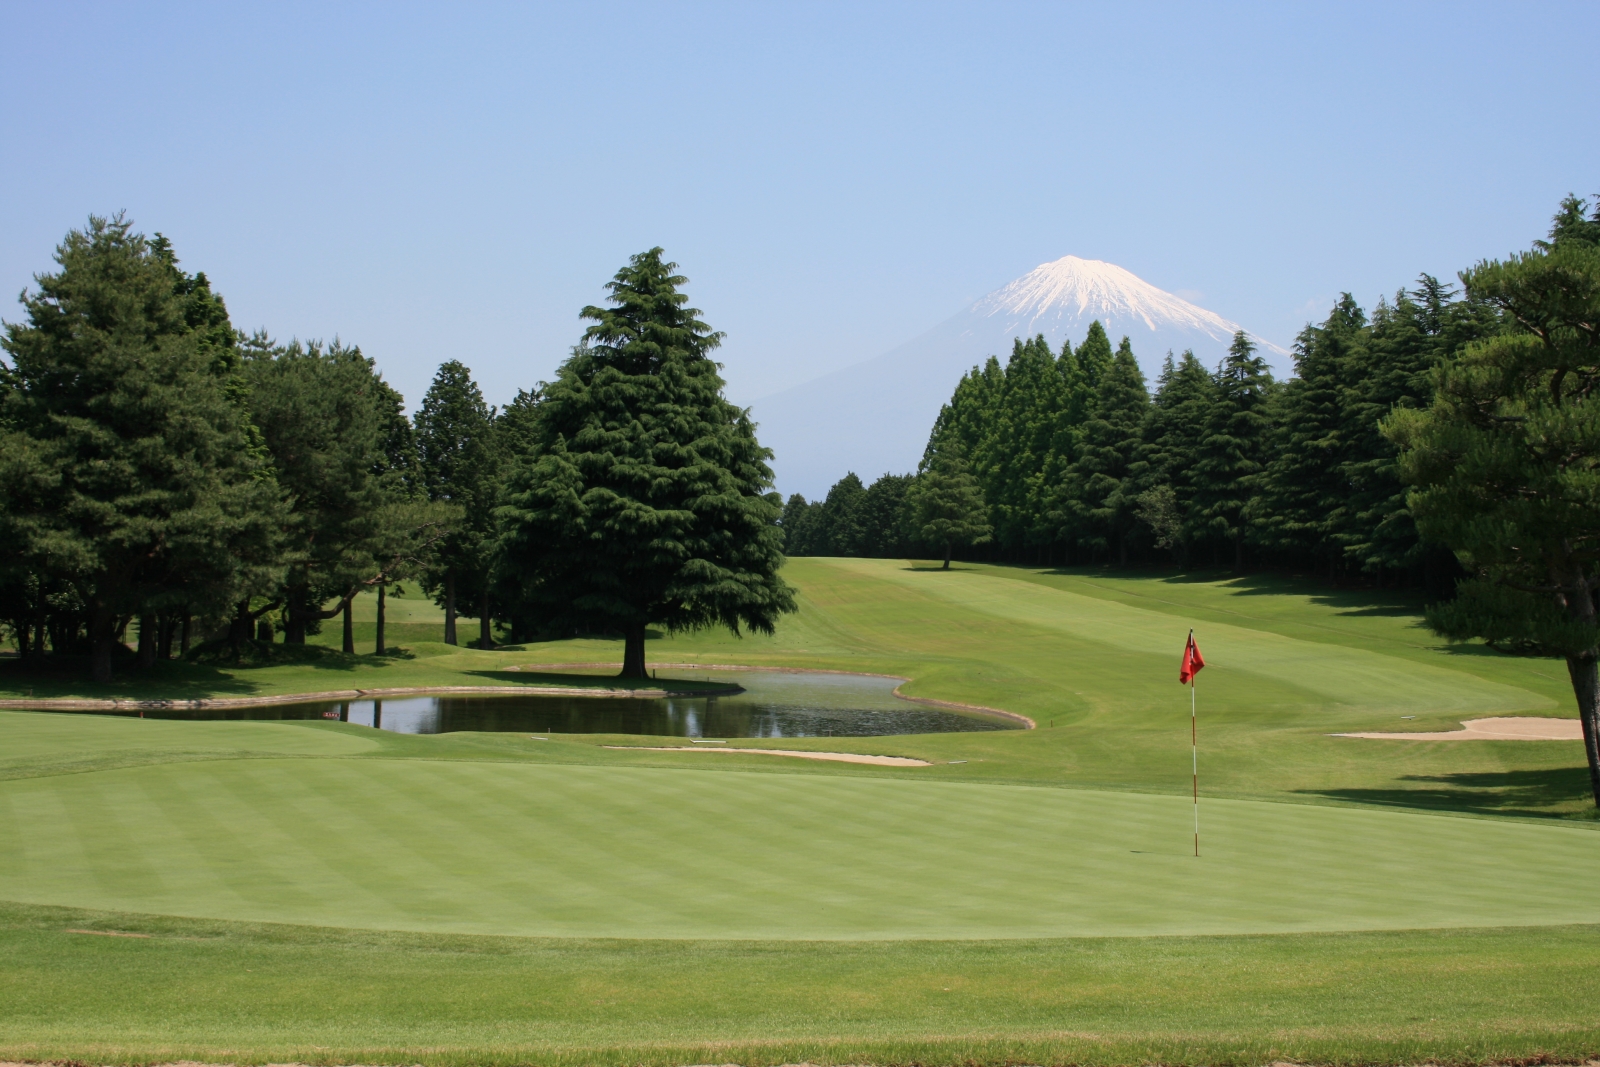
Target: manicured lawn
490,898
234,992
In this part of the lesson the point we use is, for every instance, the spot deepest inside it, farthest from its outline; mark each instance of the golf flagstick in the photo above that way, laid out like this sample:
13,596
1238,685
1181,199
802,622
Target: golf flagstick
1193,662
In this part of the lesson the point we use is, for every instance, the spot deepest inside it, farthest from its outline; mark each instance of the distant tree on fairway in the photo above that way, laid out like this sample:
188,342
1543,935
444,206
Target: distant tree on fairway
129,468
946,504
646,499
456,445
1505,463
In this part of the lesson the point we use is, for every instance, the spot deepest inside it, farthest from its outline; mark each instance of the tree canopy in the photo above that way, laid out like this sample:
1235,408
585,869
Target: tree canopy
645,499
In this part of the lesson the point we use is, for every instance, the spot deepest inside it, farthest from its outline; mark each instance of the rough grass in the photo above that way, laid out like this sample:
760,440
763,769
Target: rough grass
241,993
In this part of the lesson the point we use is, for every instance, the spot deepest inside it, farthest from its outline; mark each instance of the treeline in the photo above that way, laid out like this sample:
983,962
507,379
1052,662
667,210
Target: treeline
1078,461
167,479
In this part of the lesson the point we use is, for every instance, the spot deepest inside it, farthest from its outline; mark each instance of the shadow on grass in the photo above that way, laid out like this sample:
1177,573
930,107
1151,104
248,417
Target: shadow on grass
1559,793
214,672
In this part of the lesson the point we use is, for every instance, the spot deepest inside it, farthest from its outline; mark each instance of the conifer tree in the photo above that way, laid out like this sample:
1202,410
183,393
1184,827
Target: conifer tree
330,425
1173,433
1234,452
945,501
1306,489
1506,460
1105,497
647,500
128,466
456,449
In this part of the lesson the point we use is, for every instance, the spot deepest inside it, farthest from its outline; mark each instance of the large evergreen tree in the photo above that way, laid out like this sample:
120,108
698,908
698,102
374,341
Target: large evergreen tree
647,499
1234,452
1306,489
945,501
456,447
329,424
1506,462
128,465
1103,495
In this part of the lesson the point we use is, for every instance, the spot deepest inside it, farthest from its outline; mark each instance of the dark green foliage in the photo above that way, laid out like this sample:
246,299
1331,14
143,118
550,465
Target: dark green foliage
946,503
1103,503
1233,454
459,457
853,520
1304,498
645,498
1506,461
128,467
328,422
1173,431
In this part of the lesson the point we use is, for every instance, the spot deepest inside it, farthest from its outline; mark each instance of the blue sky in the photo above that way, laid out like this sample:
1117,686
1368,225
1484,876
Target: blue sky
436,182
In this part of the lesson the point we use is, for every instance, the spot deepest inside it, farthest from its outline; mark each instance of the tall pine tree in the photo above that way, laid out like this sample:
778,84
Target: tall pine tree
647,500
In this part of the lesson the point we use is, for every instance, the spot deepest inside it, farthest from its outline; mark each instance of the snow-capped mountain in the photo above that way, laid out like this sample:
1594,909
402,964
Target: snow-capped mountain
1068,294
875,416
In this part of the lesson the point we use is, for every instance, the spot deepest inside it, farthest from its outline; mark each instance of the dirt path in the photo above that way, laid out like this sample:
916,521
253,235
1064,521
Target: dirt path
1517,728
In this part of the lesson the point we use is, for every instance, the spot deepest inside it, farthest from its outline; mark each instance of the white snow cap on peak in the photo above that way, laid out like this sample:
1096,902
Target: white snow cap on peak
1072,291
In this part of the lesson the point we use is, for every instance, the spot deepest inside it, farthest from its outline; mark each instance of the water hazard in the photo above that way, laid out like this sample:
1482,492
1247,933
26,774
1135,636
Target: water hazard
774,704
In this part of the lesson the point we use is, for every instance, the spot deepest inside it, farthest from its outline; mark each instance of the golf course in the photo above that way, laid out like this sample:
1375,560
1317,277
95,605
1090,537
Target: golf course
322,892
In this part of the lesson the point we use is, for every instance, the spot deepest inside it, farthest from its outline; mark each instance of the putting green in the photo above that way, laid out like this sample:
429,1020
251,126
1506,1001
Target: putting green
641,853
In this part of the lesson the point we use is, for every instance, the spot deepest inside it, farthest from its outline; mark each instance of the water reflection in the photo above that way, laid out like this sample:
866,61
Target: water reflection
773,705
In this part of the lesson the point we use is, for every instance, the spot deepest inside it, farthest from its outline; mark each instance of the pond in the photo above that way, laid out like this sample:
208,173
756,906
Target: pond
774,704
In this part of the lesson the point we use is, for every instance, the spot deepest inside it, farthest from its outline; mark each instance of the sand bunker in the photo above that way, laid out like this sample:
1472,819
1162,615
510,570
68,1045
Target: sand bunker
1520,728
841,757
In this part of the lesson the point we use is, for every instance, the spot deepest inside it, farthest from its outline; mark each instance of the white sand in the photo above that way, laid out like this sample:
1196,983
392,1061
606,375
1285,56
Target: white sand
841,757
1520,728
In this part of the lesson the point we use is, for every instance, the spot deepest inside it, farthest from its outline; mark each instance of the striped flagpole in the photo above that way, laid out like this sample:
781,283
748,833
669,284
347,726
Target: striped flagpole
1194,751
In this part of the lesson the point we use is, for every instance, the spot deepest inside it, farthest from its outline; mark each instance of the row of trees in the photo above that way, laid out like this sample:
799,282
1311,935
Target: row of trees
1076,460
161,471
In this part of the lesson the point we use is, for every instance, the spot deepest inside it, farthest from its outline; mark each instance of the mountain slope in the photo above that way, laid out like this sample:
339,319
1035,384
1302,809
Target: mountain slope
875,416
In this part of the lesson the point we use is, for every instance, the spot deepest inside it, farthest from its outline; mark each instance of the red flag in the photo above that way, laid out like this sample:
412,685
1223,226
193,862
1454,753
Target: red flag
1192,661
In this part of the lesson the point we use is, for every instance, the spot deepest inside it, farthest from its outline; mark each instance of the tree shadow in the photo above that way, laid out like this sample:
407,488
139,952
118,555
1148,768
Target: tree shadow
1532,793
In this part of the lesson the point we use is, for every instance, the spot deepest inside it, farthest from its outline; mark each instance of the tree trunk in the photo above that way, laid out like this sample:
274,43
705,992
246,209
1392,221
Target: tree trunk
294,629
450,606
1585,676
169,628
148,638
633,653
349,628
381,586
183,633
946,556
102,636
485,626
